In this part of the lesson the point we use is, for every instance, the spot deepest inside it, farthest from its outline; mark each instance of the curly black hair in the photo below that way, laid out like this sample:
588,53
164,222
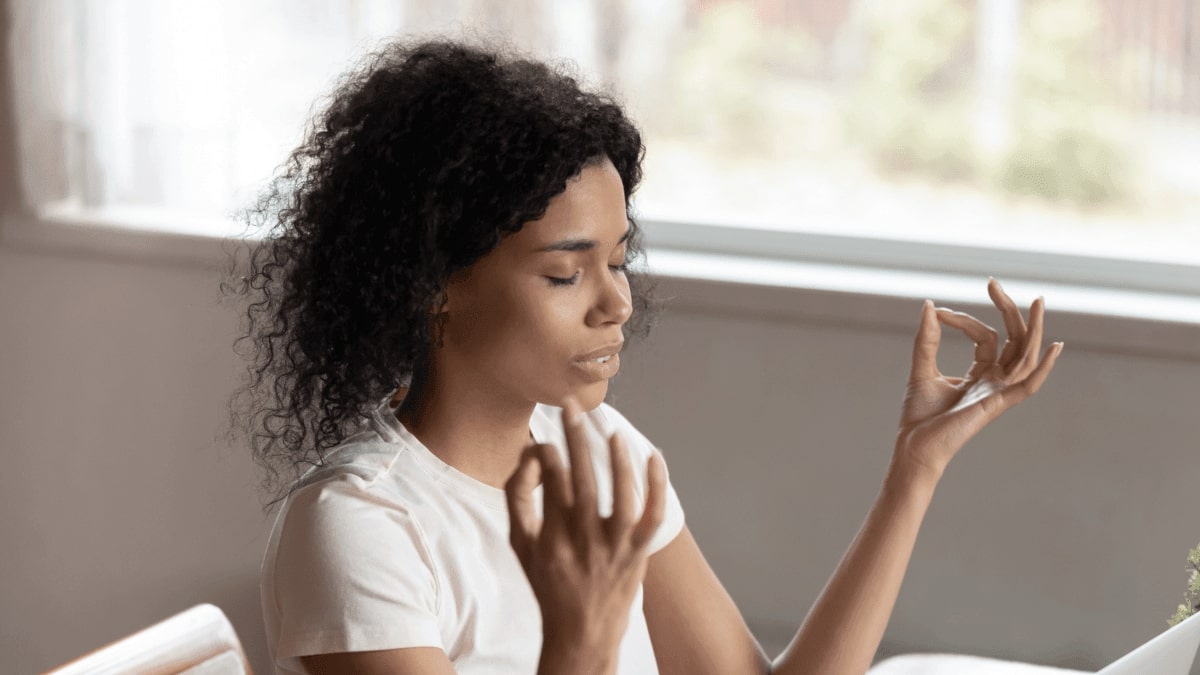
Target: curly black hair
429,152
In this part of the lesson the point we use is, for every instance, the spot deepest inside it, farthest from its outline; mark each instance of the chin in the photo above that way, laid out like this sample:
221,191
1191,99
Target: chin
589,396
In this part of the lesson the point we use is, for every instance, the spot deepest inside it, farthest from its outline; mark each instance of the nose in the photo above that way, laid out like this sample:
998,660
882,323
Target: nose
613,303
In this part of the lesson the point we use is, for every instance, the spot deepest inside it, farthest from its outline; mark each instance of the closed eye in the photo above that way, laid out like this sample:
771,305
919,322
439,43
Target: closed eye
558,281
570,281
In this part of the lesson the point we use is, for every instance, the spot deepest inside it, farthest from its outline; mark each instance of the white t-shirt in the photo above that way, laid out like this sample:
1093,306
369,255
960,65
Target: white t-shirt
387,546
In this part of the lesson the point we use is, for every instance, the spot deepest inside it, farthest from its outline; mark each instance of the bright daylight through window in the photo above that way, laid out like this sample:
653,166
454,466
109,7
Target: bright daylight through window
1059,125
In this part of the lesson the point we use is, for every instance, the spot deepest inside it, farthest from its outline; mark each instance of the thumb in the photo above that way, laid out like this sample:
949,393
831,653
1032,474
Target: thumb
925,346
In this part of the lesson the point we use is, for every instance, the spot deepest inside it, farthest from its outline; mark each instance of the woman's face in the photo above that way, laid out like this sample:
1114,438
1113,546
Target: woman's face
528,319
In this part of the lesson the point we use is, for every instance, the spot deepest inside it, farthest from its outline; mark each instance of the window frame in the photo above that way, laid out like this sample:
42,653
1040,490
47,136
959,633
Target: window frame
922,255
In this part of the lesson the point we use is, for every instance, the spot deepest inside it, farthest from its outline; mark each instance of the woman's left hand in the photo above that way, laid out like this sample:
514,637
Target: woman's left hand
941,413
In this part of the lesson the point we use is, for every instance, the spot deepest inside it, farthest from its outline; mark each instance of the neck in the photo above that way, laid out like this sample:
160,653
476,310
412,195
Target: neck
477,433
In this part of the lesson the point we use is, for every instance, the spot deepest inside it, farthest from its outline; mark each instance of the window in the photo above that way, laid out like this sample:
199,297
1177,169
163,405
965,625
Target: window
1066,127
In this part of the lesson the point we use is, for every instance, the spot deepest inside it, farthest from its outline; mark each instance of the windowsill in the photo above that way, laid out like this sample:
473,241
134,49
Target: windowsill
1101,319
103,239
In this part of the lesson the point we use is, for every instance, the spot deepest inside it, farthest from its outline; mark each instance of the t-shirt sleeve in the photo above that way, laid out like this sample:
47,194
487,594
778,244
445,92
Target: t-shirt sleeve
352,573
640,449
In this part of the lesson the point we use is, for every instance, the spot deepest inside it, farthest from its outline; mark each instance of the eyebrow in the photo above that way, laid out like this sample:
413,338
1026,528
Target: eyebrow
574,245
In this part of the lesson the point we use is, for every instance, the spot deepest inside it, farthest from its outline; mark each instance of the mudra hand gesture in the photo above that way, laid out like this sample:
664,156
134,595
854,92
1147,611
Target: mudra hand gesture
941,413
585,569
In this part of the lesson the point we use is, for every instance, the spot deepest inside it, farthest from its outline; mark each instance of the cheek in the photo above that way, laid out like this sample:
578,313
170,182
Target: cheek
544,324
545,334
521,328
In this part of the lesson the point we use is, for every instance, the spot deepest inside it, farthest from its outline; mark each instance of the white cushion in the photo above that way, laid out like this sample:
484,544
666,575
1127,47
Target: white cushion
225,663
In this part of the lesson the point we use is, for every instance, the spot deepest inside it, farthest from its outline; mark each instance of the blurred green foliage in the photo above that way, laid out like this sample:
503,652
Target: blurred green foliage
912,104
729,63
1191,597
1071,137
910,107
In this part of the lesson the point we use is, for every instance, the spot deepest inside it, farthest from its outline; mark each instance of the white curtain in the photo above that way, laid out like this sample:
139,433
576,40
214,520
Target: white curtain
180,108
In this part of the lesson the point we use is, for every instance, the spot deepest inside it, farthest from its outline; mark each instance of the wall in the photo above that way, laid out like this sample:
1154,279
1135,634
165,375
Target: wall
1057,536
121,508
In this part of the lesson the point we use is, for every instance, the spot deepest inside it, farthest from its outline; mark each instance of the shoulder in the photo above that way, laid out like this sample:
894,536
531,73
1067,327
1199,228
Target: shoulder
609,420
359,507
365,456
615,420
365,545
343,518
348,570
341,498
376,467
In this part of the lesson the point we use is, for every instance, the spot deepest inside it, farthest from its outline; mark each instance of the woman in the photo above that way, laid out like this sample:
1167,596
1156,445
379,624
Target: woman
454,238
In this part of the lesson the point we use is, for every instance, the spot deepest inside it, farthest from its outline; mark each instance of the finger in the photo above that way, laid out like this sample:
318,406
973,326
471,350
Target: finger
925,347
1014,323
1031,384
656,498
1028,360
555,488
987,407
624,499
523,522
583,479
984,336
1020,390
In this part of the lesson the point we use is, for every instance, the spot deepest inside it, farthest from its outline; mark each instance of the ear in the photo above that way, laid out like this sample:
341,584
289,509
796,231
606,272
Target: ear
455,286
441,303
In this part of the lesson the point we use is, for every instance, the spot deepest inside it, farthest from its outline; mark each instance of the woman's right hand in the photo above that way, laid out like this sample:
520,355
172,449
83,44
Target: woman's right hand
584,569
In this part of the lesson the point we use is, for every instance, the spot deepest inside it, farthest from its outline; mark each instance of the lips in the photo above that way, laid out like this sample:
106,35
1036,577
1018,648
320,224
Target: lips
596,371
607,350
